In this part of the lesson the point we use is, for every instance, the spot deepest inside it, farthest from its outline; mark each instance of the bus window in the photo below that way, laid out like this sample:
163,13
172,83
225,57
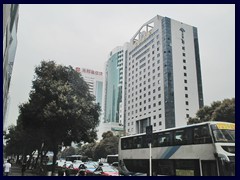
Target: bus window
137,142
183,136
165,167
124,143
202,135
129,143
155,140
178,137
223,134
144,142
164,139
187,167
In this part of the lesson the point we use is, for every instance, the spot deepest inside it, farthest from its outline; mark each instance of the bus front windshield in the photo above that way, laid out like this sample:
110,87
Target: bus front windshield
223,134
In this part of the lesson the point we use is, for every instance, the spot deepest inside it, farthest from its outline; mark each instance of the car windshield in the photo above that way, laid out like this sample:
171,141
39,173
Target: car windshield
90,166
223,135
108,169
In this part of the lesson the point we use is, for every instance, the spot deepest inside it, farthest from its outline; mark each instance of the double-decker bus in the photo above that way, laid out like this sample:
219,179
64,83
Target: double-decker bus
204,149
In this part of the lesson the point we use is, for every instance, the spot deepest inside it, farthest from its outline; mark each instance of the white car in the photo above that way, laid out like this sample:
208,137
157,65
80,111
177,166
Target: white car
67,164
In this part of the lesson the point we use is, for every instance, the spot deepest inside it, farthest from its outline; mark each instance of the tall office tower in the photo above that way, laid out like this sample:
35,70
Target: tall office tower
94,79
10,24
114,88
163,76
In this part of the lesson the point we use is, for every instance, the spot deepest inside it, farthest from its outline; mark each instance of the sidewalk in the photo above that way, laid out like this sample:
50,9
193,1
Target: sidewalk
16,171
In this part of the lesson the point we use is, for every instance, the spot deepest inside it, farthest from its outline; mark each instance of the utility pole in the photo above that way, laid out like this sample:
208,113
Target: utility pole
149,140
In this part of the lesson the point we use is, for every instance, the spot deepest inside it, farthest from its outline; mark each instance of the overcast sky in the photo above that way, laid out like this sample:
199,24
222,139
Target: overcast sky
84,35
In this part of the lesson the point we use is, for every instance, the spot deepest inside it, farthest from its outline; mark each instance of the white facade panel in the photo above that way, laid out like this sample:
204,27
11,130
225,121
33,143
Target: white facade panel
183,110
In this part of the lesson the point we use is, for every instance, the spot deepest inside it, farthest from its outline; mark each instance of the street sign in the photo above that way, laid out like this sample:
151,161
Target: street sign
149,134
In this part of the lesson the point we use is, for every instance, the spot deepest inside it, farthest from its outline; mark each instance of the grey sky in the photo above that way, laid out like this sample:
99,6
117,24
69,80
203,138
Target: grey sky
83,35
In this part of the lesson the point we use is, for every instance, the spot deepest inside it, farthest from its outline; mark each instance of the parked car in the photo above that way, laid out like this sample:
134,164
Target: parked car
60,163
74,167
67,164
105,171
90,168
115,164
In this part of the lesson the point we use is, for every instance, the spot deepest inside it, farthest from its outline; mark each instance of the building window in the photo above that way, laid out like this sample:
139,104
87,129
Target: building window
183,48
184,67
186,102
185,81
160,123
154,117
154,124
186,95
185,74
186,88
184,60
184,54
187,115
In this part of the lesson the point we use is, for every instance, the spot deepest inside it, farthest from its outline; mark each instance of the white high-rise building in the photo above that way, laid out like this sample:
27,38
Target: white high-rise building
94,79
163,85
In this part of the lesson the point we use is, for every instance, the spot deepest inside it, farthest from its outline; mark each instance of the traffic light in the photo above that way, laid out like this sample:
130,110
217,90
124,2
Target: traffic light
149,134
